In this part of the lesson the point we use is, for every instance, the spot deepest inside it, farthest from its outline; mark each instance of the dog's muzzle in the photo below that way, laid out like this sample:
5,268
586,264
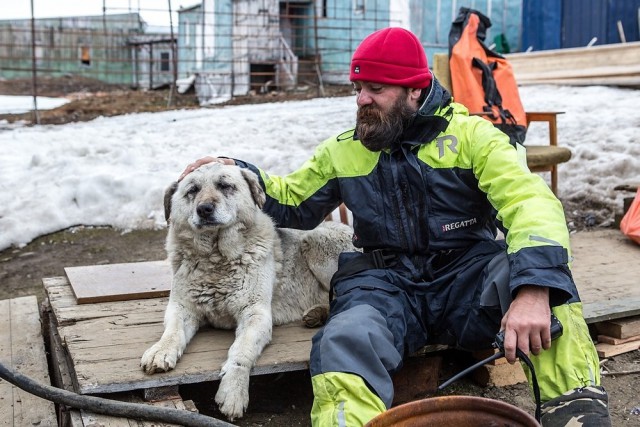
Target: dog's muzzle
206,212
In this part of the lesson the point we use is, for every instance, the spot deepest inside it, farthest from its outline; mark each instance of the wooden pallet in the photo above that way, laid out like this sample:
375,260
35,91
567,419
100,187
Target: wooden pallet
22,349
104,342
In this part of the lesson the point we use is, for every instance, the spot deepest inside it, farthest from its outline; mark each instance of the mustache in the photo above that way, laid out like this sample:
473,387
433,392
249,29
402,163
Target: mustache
377,129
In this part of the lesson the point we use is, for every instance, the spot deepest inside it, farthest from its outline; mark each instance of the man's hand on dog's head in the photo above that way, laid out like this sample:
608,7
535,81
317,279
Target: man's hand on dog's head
203,161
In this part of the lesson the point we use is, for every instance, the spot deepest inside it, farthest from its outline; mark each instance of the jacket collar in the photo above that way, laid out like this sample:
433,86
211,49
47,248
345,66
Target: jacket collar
432,117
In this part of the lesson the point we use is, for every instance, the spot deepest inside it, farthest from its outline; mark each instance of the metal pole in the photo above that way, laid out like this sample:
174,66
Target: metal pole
317,58
104,39
174,61
34,79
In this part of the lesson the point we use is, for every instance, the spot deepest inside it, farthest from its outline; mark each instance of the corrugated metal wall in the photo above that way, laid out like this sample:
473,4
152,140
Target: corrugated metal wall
555,24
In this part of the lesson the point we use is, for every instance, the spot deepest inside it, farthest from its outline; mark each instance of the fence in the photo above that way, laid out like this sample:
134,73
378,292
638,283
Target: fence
223,48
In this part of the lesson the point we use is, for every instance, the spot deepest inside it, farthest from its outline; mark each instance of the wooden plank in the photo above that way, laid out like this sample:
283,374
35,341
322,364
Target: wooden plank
22,348
621,328
600,311
615,341
609,350
67,311
606,267
120,282
117,368
577,59
61,376
6,389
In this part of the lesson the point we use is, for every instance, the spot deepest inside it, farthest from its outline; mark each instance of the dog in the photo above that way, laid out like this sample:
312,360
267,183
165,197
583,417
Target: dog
235,270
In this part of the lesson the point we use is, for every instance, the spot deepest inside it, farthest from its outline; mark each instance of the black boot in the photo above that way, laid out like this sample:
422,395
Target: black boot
586,406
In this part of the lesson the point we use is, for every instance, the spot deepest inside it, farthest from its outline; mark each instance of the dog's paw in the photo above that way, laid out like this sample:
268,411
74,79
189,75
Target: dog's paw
233,393
316,316
159,358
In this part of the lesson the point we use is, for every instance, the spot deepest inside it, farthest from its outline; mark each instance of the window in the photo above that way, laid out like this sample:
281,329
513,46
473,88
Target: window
85,56
164,61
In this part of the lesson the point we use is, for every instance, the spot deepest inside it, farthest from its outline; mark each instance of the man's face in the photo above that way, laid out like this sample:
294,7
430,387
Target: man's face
384,111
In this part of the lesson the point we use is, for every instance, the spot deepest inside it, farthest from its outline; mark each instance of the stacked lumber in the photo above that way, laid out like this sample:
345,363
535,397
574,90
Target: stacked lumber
618,336
614,64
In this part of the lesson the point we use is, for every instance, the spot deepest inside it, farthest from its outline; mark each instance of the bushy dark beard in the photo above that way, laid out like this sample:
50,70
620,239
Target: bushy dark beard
378,130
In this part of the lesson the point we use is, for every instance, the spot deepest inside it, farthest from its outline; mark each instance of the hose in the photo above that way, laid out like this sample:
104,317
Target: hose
109,407
555,331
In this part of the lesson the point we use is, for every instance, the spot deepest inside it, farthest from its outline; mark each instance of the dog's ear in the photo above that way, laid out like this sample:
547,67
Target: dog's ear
168,194
254,185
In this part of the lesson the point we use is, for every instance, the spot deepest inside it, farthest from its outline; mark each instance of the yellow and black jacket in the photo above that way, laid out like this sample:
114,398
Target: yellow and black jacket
441,188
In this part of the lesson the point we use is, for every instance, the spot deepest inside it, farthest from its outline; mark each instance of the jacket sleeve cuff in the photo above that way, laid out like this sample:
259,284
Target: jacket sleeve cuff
544,266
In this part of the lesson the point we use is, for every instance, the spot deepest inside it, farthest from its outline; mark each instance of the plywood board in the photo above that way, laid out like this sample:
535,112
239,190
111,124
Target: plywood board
22,349
118,282
606,269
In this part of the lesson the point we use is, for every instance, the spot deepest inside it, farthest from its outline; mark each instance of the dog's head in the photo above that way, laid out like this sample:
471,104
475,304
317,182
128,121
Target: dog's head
214,195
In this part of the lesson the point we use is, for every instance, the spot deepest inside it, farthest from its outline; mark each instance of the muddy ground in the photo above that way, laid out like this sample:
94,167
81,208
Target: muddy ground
277,400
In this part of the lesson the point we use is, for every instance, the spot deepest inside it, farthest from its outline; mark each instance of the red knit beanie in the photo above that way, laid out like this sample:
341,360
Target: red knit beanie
392,56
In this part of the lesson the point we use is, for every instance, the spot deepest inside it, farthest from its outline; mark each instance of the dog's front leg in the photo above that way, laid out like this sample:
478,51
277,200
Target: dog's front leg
180,325
252,335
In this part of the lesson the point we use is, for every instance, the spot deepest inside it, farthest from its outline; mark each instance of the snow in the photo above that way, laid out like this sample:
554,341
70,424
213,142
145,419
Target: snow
24,104
113,171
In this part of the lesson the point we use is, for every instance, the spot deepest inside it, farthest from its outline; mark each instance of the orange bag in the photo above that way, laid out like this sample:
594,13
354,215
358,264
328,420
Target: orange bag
630,224
483,80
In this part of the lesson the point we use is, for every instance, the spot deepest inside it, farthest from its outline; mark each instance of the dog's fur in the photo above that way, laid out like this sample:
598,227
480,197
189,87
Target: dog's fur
234,269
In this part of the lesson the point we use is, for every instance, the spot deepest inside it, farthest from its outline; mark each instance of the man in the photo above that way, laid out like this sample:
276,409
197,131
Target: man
424,182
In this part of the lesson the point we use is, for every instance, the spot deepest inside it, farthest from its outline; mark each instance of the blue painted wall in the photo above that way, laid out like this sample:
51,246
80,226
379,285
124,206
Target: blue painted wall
556,24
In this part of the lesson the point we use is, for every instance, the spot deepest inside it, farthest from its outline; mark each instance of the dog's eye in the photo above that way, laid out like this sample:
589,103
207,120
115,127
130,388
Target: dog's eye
193,190
225,186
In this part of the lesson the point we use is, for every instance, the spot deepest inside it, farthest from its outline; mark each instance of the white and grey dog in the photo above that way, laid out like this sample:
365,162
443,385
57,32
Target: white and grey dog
233,269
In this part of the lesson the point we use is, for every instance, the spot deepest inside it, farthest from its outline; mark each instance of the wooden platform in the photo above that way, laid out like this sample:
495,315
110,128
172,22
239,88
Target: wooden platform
22,349
104,342
99,344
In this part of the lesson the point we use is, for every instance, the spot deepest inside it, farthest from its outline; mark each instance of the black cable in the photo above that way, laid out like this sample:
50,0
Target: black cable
459,375
498,355
534,382
109,407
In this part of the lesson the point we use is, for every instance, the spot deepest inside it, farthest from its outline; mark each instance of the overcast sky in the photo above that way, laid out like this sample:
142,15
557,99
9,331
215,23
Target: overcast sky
154,12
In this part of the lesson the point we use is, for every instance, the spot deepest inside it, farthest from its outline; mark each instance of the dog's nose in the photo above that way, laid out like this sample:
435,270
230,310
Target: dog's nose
205,210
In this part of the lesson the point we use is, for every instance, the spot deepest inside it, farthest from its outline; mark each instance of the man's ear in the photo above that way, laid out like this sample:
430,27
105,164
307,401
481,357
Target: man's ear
254,185
168,194
414,94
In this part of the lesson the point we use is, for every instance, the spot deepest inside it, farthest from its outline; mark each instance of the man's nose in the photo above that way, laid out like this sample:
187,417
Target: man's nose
363,98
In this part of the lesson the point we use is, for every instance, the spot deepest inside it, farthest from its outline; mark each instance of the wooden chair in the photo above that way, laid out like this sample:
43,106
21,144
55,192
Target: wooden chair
540,158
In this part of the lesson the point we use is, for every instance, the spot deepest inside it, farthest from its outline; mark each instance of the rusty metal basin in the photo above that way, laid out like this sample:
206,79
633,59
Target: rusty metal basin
454,411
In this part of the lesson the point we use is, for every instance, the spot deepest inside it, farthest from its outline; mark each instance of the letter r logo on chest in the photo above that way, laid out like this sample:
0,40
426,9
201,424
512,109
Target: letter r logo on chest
449,141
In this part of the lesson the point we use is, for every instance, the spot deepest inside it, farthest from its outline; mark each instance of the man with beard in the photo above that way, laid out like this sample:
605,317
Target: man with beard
426,184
